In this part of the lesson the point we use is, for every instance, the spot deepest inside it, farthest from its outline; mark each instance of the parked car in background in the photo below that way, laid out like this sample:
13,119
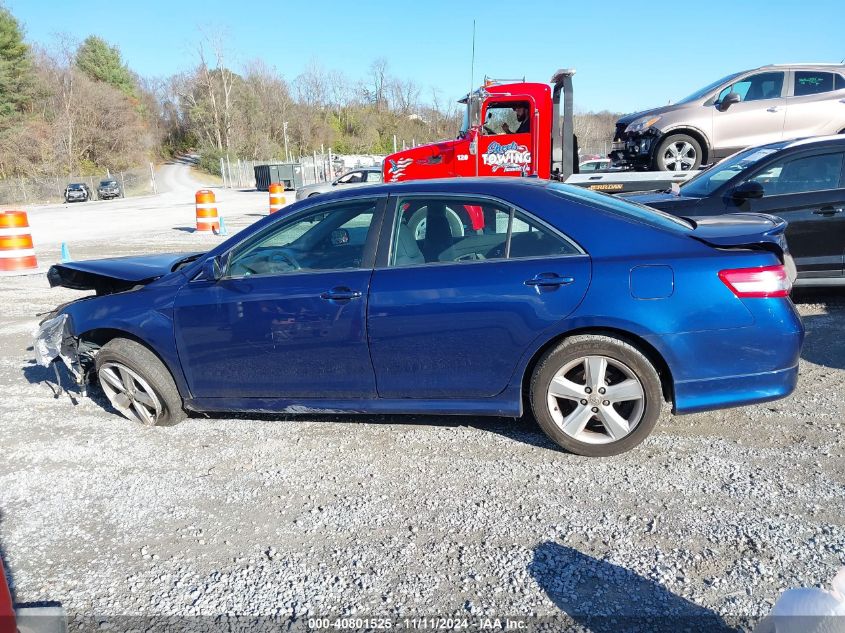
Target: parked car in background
354,178
582,308
595,164
77,192
108,190
801,181
741,110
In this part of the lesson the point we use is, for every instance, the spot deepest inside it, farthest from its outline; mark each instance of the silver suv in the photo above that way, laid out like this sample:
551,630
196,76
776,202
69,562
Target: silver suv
748,108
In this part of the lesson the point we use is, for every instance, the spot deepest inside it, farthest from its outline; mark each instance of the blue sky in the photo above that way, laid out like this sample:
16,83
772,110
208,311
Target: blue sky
628,55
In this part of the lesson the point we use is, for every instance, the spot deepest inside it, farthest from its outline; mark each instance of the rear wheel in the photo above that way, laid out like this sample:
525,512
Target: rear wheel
138,384
596,395
678,152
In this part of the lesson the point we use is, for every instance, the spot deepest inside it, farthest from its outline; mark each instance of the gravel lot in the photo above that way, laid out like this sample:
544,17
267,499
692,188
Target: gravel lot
286,518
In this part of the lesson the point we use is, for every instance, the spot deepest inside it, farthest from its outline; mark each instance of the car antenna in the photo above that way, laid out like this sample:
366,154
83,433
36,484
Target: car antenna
472,63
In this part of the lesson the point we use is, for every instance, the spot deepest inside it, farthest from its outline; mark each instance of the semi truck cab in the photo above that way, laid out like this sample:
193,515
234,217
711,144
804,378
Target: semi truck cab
509,129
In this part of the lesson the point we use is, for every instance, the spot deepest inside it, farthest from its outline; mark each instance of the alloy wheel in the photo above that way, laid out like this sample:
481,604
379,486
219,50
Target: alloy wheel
130,394
596,399
679,156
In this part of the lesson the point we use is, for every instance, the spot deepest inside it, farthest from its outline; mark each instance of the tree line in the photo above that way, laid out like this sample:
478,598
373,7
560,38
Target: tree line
77,108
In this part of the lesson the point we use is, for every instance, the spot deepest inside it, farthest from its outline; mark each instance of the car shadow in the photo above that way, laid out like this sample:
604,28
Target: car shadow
524,430
185,229
823,343
605,598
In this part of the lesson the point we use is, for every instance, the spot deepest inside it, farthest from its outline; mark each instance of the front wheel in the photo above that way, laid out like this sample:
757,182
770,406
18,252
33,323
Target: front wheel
138,384
596,395
678,152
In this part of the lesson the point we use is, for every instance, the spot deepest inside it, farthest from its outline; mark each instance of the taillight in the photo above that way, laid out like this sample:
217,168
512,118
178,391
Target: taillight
766,281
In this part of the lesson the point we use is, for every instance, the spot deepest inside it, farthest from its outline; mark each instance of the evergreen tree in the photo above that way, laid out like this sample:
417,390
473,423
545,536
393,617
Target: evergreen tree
102,62
15,66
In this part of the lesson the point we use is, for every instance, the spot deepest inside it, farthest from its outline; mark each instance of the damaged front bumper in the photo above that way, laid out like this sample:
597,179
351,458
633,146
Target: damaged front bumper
635,149
54,341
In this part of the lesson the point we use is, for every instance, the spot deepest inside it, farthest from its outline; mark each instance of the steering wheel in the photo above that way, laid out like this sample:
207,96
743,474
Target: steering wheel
488,130
470,257
283,255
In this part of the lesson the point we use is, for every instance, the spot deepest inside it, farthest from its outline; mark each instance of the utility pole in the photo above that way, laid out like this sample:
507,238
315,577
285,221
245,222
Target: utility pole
285,132
152,179
223,171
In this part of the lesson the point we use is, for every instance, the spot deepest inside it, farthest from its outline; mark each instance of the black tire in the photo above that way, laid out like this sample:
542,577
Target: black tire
147,365
690,148
620,351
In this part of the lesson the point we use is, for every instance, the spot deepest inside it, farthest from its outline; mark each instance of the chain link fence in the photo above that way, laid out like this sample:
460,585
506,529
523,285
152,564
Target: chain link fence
313,169
137,181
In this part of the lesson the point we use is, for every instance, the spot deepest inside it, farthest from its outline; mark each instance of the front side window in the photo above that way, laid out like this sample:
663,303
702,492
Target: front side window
810,83
431,230
799,175
508,117
350,178
756,87
328,239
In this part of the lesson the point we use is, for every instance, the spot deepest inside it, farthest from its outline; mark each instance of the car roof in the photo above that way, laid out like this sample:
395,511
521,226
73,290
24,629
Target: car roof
816,65
492,185
832,140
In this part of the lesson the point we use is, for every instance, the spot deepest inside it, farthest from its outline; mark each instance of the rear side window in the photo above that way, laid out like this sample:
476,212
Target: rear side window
438,230
811,83
839,82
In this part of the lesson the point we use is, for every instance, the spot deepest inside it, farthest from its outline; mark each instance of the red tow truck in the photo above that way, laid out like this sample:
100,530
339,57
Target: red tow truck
516,128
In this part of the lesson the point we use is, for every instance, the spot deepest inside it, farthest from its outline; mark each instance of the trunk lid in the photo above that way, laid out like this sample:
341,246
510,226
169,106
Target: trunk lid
116,274
751,231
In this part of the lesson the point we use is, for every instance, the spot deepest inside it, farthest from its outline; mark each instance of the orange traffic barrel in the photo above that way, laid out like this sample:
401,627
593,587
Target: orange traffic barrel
206,211
277,197
17,252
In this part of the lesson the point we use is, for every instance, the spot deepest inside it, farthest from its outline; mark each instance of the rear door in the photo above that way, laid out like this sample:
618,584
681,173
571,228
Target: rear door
816,105
808,191
758,118
452,308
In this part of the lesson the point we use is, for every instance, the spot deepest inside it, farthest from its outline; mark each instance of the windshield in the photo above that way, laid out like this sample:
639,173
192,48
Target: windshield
622,207
700,94
107,183
74,186
708,181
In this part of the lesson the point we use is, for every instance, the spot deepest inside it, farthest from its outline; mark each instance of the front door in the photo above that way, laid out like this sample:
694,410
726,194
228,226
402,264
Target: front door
288,318
453,308
508,138
808,191
758,118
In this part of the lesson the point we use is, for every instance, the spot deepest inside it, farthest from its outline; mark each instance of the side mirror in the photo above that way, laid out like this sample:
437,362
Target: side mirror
750,190
730,98
473,147
212,268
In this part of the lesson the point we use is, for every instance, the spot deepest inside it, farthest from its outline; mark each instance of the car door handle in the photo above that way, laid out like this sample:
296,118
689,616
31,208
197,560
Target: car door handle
545,280
828,211
773,109
340,293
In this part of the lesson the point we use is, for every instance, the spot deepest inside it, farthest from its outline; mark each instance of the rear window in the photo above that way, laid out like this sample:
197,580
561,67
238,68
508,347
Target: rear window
810,83
627,209
839,82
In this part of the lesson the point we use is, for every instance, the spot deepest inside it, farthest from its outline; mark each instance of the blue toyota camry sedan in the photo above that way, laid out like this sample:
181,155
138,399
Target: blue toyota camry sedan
460,296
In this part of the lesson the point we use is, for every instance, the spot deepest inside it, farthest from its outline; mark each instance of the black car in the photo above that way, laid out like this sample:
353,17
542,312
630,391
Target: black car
77,192
802,181
108,189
